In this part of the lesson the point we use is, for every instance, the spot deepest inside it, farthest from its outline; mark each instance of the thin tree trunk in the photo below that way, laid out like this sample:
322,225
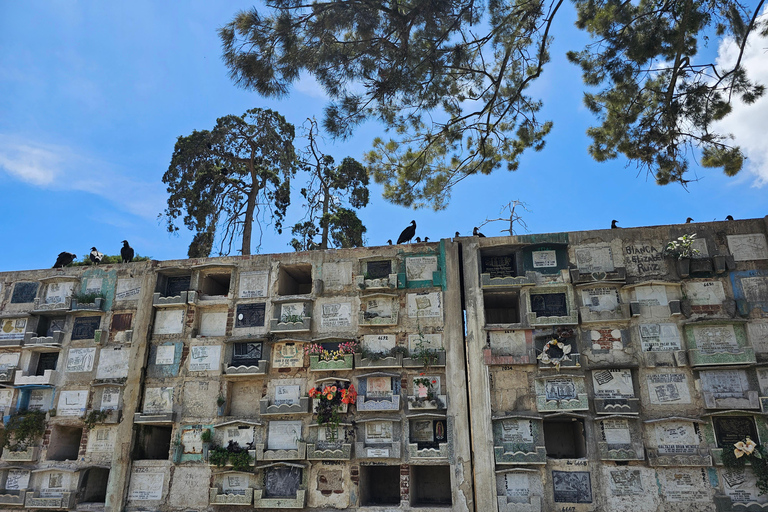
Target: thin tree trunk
250,207
324,239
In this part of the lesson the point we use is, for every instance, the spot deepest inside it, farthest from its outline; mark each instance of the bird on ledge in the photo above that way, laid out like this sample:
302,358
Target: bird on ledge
407,233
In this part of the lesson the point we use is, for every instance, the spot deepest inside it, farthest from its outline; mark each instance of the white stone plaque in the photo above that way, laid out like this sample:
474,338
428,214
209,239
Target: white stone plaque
203,358
291,310
379,387
600,298
113,363
234,482
379,342
213,323
9,360
93,285
544,259
377,308
715,339
191,440
336,315
704,293
594,259
425,341
668,388
377,452
39,399
6,399
128,289
56,293
425,305
758,335
652,295
241,434
516,430
110,398
12,328
725,383
517,487
72,403
253,284
101,439
166,354
740,485
616,431
626,482
420,268
378,432
146,485
748,247
17,479
169,321
80,359
158,400
283,435
682,485
287,355
337,275
613,383
560,388
287,395
659,337
509,342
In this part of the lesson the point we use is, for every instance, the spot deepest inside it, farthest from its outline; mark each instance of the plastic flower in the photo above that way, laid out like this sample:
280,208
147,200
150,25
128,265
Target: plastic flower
746,447
313,392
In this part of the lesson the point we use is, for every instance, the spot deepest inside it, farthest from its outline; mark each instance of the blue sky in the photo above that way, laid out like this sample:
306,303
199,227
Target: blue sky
94,94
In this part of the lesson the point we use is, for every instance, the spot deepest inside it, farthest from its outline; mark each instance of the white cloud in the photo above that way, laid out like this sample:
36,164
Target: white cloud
749,123
309,86
60,168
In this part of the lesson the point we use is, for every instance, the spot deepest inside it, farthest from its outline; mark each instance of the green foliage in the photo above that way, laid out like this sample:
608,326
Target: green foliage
682,247
450,80
222,181
237,457
206,436
329,190
23,429
106,260
758,460
95,417
87,298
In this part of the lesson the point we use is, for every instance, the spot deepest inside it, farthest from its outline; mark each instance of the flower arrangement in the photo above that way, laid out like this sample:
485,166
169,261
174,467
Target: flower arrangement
682,247
424,388
555,352
316,349
330,399
749,451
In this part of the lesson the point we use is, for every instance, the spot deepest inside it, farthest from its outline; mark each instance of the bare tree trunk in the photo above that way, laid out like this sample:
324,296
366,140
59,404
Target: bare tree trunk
324,238
250,207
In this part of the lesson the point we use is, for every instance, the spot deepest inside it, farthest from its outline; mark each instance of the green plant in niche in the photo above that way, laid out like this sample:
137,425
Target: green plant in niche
22,430
95,417
206,436
221,400
423,353
682,247
238,457
87,298
749,451
291,319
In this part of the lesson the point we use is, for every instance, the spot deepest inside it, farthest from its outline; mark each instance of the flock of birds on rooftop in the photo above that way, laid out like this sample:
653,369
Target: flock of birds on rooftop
127,253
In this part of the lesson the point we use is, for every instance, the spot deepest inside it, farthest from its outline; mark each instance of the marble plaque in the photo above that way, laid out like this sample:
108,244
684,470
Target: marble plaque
613,383
681,485
282,481
725,383
203,358
190,439
740,485
56,293
516,430
758,335
128,289
508,342
80,359
606,339
422,431
234,482
659,337
644,259
337,275
287,355
517,487
93,285
668,388
498,266
9,360
379,387
336,315
420,268
428,341
24,293
732,429
39,399
625,482
616,432
6,399
72,403
425,305
594,259
253,284
240,434
379,342
699,247
377,452
158,400
544,259
252,315
166,354
704,293
146,484
110,398
549,304
101,439
283,435
113,363
85,327
377,308
714,339
748,247
12,328
755,288
287,395
378,432
652,295
676,437
213,323
572,486
291,309
600,298
560,388
169,321
17,479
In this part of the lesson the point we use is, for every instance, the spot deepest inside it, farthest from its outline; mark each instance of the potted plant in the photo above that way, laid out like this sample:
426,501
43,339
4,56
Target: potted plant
324,358
682,250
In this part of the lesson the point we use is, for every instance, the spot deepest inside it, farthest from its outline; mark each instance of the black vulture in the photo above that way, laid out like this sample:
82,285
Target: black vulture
457,235
126,252
407,233
476,232
688,220
418,240
96,256
730,217
389,242
64,259
613,224
426,239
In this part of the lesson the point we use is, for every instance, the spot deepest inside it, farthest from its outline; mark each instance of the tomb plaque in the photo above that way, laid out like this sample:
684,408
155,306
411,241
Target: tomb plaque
379,342
626,482
377,452
204,358
378,432
190,439
250,315
213,323
606,339
23,293
425,341
85,327
93,285
169,321
80,359
283,435
17,479
9,360
600,298
378,269
499,266
561,388
240,434
6,399
113,363
613,383
758,335
377,307
110,399
337,275
101,439
336,315
699,246
705,293
330,481
572,486
420,268
176,285
166,354
725,383
38,400
594,259
158,400
549,304
517,487
425,305
714,339
644,259
422,431
516,431
146,485
287,355
684,485
72,403
121,322
668,388
616,432
287,395
732,429
12,328
676,437
659,337
755,288
282,482
652,295
544,259
740,485
748,247
508,342
234,484
253,284
56,293
379,387
128,289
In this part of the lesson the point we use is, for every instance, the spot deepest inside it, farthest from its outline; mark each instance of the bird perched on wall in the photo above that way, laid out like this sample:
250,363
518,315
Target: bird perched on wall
457,235
126,252
96,256
407,233
613,224
64,259
426,239
730,217
418,240
688,220
476,232
389,242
